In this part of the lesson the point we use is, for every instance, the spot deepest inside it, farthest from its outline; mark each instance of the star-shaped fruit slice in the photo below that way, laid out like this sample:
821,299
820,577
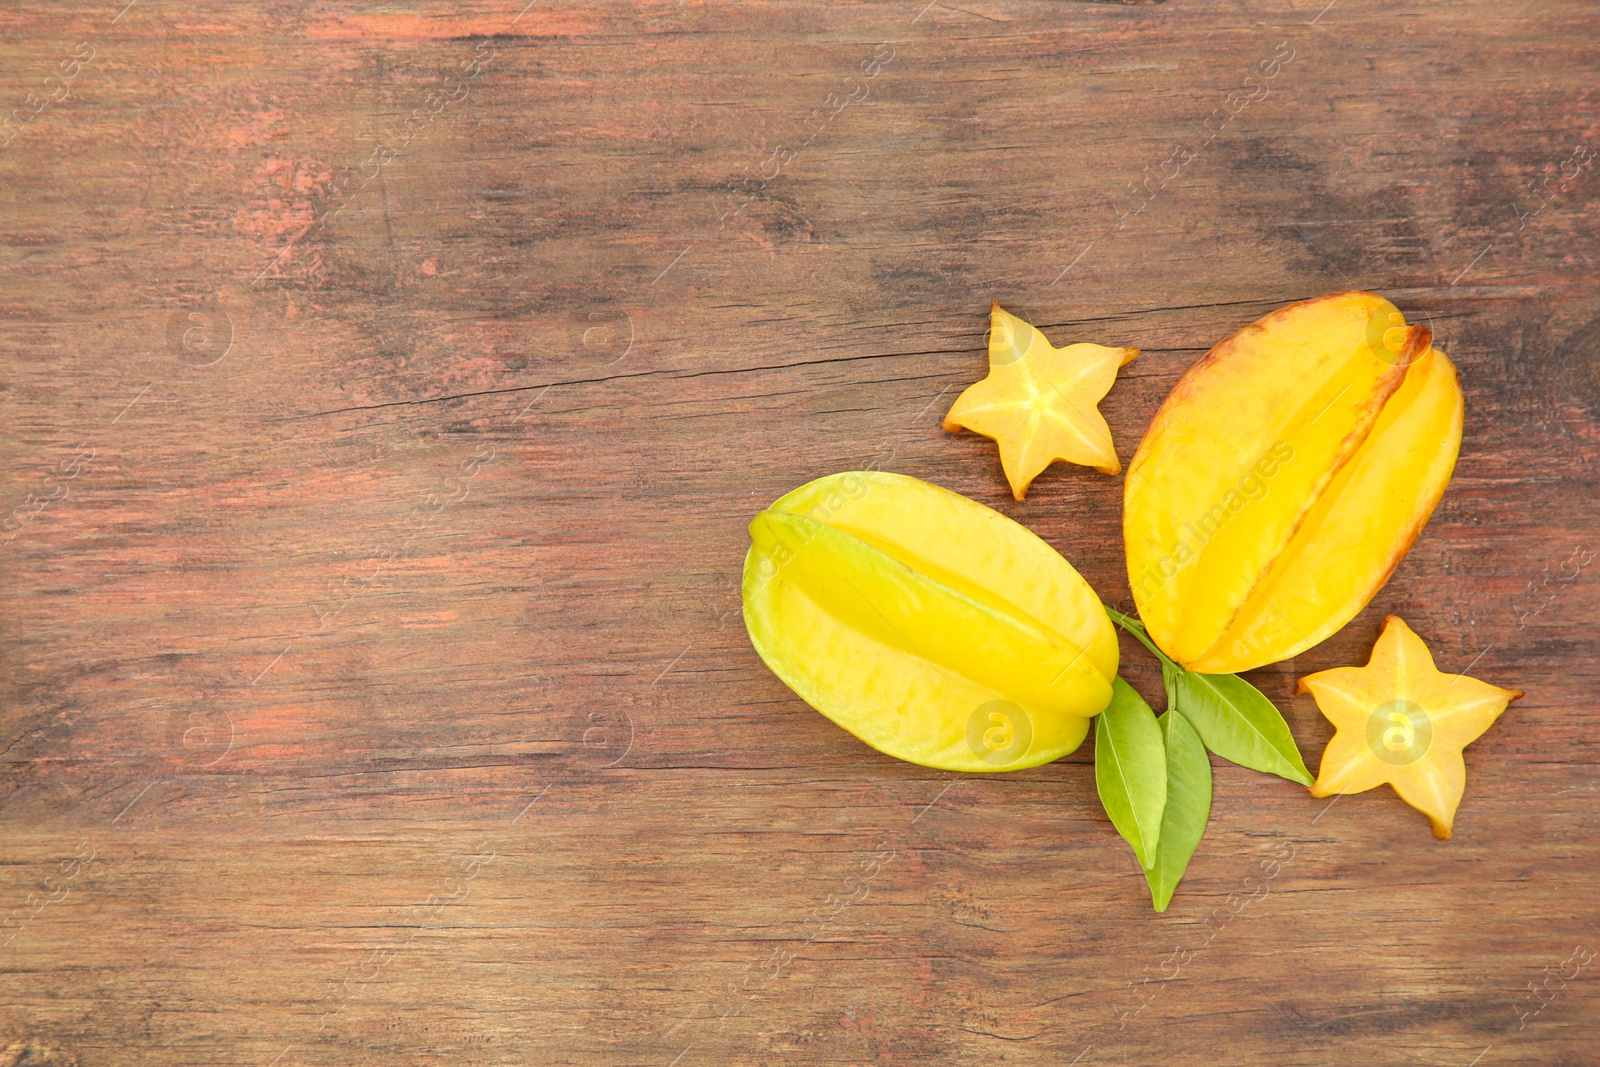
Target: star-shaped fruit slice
1039,401
1399,720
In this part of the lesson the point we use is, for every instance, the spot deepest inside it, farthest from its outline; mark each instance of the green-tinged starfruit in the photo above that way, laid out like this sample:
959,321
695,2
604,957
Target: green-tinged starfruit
933,628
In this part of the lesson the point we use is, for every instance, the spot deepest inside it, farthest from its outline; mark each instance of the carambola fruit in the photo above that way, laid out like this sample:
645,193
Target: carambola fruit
1284,478
1040,402
933,628
1400,720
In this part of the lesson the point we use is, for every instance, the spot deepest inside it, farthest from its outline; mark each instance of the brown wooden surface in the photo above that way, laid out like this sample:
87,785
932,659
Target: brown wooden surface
420,421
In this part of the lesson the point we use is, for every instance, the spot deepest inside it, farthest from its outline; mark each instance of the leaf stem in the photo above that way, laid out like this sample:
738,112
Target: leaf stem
1136,628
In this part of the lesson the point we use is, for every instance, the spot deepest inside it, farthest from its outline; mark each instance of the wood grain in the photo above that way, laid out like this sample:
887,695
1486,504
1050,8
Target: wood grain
393,384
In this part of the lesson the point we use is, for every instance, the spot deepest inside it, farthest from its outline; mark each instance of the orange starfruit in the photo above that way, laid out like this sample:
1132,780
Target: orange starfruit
1400,720
1284,478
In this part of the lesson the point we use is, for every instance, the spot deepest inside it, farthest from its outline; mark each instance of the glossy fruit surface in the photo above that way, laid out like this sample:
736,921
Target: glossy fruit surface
933,628
1285,477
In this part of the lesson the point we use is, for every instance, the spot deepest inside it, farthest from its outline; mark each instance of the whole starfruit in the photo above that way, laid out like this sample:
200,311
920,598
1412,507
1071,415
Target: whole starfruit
933,628
1284,478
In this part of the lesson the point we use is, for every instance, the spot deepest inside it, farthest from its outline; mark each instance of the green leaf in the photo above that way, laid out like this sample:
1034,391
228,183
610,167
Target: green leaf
1130,769
1237,722
1188,806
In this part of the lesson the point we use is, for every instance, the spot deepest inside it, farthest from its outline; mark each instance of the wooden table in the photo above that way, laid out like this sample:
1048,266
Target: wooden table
387,391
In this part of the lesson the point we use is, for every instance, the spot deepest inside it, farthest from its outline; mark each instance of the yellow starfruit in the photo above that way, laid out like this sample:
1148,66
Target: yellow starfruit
1284,478
1400,720
1039,402
933,628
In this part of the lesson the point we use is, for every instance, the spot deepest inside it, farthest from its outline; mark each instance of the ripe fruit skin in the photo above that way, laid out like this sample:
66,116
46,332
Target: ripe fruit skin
933,628
1285,477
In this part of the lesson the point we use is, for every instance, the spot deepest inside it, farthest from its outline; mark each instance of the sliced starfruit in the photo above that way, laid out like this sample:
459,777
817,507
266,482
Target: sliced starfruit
1401,720
931,627
1039,402
1284,478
